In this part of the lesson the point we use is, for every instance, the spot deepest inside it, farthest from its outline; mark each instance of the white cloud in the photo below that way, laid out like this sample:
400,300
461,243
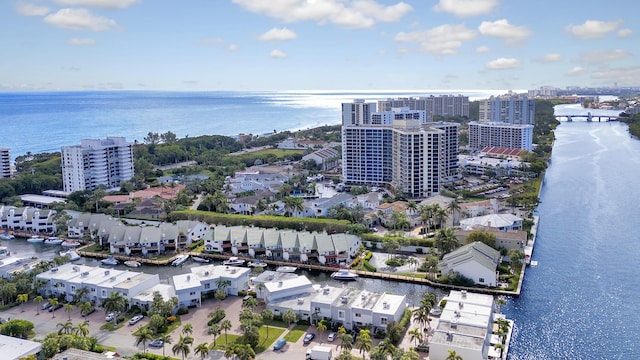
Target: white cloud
80,41
502,64
464,8
511,34
441,40
628,75
623,33
349,13
482,49
79,19
233,48
106,4
552,57
577,70
277,54
278,35
602,56
593,29
31,9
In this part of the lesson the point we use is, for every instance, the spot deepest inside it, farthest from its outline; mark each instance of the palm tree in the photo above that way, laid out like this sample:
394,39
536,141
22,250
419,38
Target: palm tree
166,339
387,347
114,303
421,316
82,328
446,240
215,330
321,327
292,204
187,329
250,303
346,342
39,299
65,328
364,342
267,316
53,302
412,262
85,307
142,336
416,335
244,352
68,308
453,356
289,317
440,216
183,346
202,350
454,209
22,298
80,294
225,325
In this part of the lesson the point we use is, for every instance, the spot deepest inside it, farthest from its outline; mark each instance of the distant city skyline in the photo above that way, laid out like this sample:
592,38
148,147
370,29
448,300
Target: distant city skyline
244,45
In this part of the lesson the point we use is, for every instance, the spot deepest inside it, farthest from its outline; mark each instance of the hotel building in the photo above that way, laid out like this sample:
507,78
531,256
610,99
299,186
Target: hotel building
97,162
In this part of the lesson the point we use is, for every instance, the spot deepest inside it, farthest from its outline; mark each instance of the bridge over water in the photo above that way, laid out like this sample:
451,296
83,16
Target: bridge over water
589,117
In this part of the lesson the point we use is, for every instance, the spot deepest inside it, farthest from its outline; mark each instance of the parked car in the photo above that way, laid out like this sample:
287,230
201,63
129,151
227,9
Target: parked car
45,306
156,343
308,338
134,320
110,316
279,344
55,307
422,347
332,336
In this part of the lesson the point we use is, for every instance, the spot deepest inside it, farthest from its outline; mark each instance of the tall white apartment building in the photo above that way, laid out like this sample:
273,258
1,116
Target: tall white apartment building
510,109
443,105
357,112
5,163
500,135
397,147
97,162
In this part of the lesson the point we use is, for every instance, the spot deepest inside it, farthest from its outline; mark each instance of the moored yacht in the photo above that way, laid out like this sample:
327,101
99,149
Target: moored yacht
72,254
345,275
286,269
52,240
6,236
179,260
132,263
200,259
257,263
70,244
35,239
111,261
233,261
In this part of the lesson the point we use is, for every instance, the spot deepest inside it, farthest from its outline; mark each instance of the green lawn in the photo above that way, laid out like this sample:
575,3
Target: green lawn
221,342
296,333
266,341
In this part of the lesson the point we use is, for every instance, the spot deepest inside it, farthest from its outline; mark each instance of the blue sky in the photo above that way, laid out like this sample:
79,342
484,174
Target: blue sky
317,44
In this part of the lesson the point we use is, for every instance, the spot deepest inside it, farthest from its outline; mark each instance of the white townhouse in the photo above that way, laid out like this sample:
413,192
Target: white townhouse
326,158
356,308
269,276
144,300
190,287
465,327
27,218
135,284
476,261
322,302
286,288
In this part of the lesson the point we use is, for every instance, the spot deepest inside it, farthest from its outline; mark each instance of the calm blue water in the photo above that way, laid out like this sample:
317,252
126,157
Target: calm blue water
45,121
581,301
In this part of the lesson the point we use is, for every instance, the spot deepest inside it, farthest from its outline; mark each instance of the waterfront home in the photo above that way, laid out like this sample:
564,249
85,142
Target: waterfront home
253,180
287,245
480,208
27,219
286,288
269,276
248,205
465,327
476,261
502,222
356,308
14,264
510,239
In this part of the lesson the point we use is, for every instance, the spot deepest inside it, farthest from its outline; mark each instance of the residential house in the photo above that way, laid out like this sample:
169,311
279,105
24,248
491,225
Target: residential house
502,222
326,158
476,261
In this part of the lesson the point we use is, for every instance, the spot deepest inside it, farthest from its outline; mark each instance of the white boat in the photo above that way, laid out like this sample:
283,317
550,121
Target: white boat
35,239
257,263
4,252
72,254
233,261
179,260
70,244
286,269
6,236
345,275
200,259
132,263
110,261
53,241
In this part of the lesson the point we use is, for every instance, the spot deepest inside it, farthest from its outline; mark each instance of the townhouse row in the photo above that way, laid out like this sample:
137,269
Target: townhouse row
27,219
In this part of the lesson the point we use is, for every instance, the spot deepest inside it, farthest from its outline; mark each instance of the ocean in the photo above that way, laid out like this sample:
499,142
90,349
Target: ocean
39,122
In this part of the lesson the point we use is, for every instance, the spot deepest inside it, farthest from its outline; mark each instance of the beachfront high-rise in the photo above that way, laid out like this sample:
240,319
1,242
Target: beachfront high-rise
500,135
5,163
97,162
443,105
398,147
515,109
